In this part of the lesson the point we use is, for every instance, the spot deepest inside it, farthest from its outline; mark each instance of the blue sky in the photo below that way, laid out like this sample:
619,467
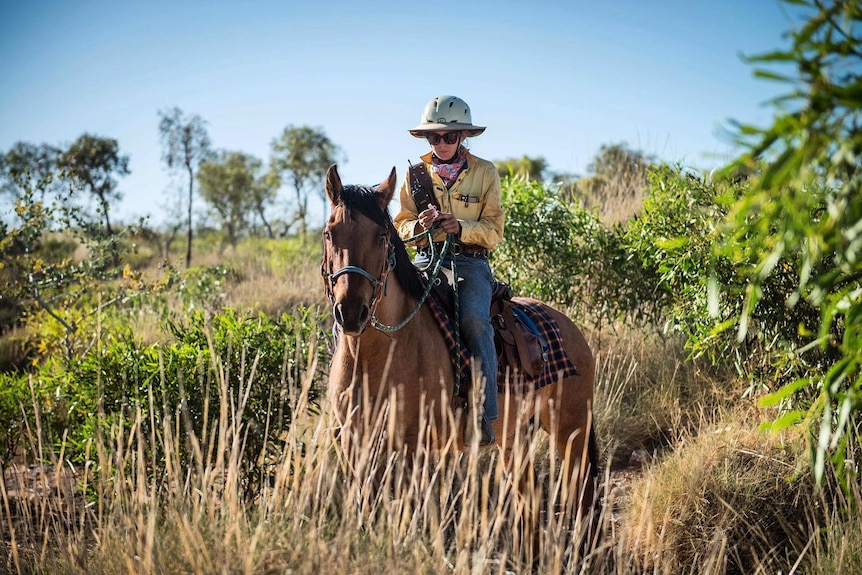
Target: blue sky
556,79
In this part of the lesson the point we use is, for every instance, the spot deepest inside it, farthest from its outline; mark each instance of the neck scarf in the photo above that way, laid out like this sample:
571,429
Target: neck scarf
449,170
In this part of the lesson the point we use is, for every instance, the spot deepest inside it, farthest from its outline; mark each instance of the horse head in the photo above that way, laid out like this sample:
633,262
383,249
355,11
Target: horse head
357,249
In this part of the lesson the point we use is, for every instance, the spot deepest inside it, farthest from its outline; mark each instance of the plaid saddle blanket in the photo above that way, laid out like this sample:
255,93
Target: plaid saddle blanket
557,366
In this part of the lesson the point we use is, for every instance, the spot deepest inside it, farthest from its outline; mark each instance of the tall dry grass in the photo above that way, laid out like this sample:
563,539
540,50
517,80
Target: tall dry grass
688,486
696,511
120,513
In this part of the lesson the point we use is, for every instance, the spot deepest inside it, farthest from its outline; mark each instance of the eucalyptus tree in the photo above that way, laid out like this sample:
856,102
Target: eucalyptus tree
301,155
802,213
230,184
92,163
27,164
185,144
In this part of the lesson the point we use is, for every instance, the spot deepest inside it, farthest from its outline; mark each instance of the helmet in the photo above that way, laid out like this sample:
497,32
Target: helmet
446,114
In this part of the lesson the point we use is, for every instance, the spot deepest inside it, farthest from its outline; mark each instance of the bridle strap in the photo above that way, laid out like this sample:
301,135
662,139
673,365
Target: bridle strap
435,263
429,285
376,283
354,270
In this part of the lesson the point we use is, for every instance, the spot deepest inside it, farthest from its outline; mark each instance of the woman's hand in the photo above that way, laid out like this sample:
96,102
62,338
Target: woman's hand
446,221
427,217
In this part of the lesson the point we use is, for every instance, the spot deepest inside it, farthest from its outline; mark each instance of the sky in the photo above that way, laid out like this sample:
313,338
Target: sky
550,78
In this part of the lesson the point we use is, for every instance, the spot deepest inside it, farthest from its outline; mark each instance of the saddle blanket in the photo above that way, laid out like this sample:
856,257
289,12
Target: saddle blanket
557,365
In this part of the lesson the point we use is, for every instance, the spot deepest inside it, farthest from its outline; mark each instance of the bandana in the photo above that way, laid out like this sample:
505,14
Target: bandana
449,171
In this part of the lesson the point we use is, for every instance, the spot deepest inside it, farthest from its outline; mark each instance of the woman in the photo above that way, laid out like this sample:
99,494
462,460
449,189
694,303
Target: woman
466,190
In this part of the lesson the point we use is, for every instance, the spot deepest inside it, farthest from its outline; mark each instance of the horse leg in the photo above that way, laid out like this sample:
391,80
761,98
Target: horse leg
516,438
567,417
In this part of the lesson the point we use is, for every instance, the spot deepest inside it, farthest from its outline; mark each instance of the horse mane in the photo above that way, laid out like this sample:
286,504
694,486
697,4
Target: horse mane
364,200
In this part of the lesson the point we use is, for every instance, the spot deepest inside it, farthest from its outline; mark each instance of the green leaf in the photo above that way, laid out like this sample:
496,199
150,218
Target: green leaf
784,392
786,421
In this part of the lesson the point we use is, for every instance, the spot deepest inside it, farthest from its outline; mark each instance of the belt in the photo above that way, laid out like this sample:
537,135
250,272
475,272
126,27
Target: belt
468,250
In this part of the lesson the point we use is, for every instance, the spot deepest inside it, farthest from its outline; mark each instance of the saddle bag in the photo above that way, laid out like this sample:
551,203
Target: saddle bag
520,348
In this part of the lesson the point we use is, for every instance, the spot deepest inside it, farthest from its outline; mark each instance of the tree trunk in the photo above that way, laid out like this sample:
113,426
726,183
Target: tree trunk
166,245
104,203
269,231
189,234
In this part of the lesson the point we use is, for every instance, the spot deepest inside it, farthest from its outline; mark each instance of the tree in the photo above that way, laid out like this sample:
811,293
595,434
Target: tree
229,184
27,163
616,182
803,212
43,283
185,144
534,169
302,155
263,195
92,163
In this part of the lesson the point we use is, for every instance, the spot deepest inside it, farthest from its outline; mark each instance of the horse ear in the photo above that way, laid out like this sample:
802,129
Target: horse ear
333,185
386,189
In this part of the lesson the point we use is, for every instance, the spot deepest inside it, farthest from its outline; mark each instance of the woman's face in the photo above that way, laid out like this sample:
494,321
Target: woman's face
442,149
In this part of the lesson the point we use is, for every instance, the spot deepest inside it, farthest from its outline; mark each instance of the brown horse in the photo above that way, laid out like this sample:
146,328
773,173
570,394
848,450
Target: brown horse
407,371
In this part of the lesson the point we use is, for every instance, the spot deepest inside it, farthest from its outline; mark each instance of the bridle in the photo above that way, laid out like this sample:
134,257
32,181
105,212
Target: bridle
380,282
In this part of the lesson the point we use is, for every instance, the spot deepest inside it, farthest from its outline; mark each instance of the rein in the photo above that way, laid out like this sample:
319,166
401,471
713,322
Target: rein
436,261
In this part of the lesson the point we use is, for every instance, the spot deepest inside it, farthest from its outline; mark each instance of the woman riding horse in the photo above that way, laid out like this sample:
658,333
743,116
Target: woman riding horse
466,202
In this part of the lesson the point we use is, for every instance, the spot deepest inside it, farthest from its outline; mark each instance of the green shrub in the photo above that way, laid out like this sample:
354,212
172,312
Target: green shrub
16,412
674,239
804,206
677,238
560,252
203,288
252,366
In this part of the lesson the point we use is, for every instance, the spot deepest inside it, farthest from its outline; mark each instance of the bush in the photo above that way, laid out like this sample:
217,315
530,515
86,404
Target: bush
560,252
804,206
16,412
252,366
674,240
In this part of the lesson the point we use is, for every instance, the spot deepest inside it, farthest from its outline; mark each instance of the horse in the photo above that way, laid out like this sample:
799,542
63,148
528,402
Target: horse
391,355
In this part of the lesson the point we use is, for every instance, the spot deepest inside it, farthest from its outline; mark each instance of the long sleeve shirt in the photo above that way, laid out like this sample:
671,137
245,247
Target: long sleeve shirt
474,199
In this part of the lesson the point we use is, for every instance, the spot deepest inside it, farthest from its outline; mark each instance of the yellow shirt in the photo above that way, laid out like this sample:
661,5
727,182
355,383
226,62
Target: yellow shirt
474,199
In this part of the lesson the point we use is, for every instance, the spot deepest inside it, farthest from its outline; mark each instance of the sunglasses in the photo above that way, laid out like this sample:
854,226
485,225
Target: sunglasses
448,137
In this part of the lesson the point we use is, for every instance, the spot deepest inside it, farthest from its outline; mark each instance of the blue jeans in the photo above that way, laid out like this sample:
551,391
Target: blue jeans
474,294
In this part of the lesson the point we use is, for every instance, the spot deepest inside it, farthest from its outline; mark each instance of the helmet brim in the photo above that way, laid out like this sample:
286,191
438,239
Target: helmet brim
422,129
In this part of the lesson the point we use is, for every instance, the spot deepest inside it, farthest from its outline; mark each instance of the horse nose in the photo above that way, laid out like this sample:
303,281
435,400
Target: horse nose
351,323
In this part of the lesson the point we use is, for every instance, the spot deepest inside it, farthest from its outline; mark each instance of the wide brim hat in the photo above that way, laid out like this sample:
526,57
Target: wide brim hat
423,128
446,114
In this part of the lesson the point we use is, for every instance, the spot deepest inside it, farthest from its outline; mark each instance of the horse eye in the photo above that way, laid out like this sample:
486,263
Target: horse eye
326,235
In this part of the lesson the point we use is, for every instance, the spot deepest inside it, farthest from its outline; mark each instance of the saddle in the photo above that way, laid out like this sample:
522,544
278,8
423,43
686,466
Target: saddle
521,349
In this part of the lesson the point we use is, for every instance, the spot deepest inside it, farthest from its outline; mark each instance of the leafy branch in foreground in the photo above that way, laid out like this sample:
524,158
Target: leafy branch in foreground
42,277
805,205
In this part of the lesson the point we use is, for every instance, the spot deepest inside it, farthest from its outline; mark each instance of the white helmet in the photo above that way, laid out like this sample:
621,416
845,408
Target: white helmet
446,114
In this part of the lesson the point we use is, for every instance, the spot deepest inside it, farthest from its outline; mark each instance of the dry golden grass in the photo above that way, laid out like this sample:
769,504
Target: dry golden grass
731,497
712,495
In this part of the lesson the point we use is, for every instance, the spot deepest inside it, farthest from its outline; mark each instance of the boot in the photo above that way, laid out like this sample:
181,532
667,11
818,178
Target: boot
486,432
